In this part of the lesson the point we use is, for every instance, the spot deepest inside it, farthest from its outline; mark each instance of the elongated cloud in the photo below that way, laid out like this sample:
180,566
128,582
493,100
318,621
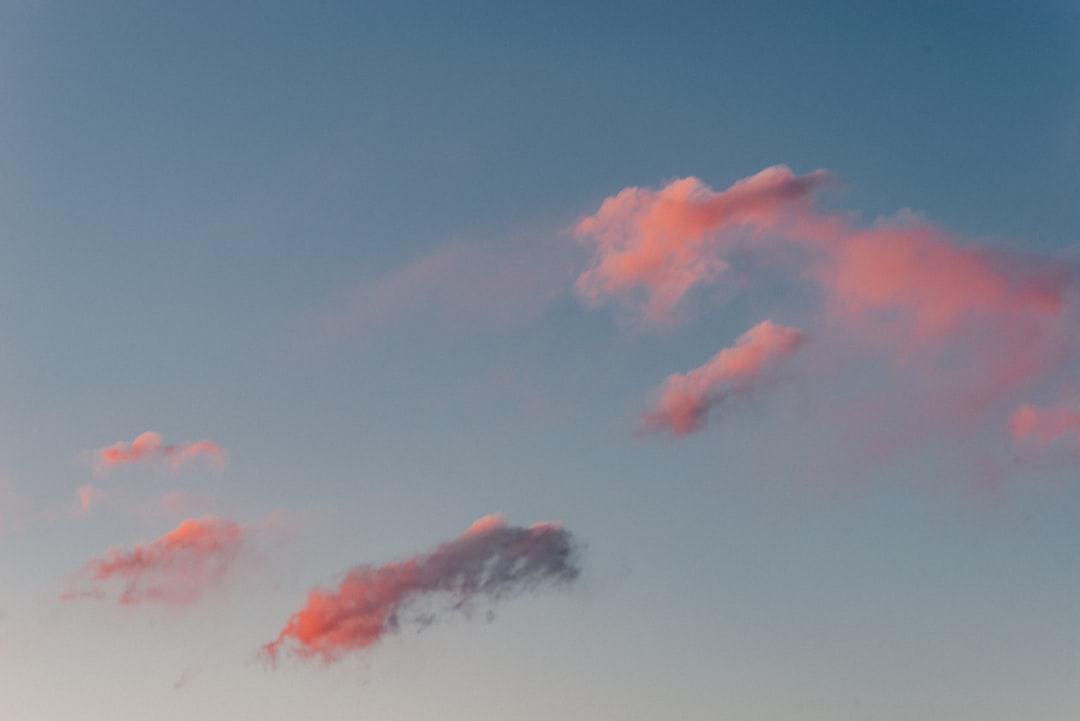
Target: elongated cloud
686,398
458,284
148,447
174,569
661,243
1047,423
489,561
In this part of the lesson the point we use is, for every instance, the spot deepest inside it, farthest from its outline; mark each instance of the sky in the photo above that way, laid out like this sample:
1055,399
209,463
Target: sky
588,361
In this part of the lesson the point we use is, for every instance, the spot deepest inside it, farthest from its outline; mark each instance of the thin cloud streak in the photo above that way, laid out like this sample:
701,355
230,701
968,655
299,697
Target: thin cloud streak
685,399
492,284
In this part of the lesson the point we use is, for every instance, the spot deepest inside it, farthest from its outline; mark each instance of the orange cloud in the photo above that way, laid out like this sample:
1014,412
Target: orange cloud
148,447
686,398
172,570
1046,424
490,560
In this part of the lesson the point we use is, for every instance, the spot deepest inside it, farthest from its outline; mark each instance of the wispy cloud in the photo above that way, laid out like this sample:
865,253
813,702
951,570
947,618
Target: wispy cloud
462,283
148,447
491,560
685,399
172,570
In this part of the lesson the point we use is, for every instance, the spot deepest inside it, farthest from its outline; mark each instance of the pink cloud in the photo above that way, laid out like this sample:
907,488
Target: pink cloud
174,569
490,560
922,274
1046,424
661,243
686,398
148,447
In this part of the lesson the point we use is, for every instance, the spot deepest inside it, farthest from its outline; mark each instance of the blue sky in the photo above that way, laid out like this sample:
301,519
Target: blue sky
336,239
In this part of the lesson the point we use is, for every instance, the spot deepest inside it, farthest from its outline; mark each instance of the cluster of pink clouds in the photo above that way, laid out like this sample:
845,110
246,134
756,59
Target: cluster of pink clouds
491,560
148,448
176,568
978,325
